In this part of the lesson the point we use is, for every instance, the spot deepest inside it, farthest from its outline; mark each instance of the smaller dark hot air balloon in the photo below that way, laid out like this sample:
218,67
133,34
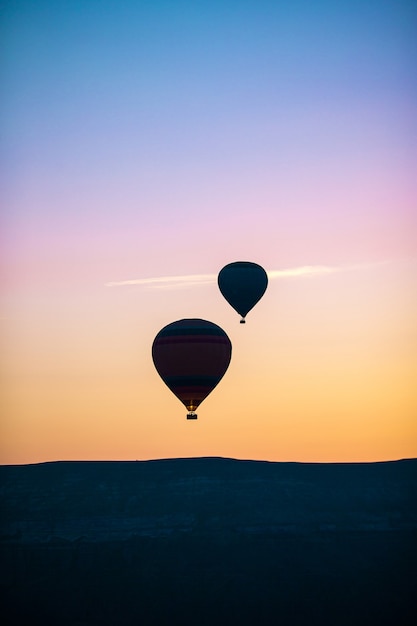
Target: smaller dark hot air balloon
242,284
191,356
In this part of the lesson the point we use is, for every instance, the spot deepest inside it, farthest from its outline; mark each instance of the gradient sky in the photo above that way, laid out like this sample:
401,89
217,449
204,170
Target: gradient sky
156,139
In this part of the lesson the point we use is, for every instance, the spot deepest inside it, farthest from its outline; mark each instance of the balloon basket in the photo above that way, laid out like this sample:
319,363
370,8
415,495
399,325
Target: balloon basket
191,415
243,321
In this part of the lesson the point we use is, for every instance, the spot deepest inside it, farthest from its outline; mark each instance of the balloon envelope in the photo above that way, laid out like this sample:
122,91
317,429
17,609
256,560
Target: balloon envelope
191,356
242,284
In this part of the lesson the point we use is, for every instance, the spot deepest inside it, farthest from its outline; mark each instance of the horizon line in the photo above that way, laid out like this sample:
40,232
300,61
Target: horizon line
212,457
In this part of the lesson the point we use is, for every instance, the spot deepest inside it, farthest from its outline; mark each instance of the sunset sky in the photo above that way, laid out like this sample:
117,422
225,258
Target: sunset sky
146,144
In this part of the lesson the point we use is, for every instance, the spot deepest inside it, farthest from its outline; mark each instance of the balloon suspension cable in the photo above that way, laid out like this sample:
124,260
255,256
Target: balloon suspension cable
243,321
191,415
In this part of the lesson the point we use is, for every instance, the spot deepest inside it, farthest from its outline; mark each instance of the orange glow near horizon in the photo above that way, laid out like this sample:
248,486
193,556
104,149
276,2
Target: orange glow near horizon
311,380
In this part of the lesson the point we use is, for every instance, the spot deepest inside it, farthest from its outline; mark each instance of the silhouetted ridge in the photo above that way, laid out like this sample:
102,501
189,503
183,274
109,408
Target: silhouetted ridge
165,496
208,542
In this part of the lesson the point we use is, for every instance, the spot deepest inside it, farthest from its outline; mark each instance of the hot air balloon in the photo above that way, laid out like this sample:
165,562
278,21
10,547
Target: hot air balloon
242,284
191,356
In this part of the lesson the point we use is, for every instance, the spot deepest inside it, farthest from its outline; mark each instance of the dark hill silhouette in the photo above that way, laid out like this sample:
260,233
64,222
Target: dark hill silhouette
209,541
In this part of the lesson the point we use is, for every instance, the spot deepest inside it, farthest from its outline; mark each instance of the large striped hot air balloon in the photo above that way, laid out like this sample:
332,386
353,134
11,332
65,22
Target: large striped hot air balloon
191,356
242,284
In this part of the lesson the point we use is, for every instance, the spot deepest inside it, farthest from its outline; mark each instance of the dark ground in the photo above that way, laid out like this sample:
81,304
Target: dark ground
208,542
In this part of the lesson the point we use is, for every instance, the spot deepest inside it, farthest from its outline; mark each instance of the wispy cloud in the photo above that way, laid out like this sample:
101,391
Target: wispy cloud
304,270
198,280
169,282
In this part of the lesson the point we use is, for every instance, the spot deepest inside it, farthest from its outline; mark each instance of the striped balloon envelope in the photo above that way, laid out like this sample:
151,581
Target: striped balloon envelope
191,356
